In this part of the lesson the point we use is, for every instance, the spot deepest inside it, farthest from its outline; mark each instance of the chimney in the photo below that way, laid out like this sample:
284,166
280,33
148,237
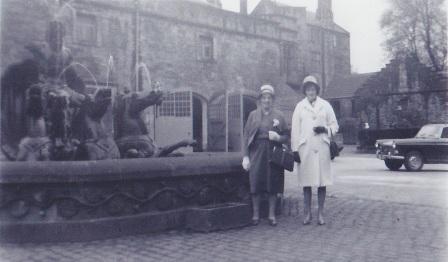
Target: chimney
243,7
324,10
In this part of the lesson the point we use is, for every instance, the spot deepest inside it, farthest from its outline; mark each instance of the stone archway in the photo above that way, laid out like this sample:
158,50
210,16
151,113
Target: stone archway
227,118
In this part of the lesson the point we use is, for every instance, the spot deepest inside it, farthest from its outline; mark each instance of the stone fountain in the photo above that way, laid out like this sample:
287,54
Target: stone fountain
68,179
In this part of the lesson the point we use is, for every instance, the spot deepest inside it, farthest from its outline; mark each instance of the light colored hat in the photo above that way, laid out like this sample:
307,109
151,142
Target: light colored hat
310,80
267,89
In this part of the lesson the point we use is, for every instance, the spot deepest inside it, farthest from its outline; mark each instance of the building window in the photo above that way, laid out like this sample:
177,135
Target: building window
339,65
342,42
403,104
177,105
115,34
289,59
316,61
206,45
314,35
86,29
167,107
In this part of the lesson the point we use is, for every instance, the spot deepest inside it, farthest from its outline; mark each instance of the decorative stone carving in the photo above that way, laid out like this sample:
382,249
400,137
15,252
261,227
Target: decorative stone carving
67,208
116,204
165,200
19,208
116,190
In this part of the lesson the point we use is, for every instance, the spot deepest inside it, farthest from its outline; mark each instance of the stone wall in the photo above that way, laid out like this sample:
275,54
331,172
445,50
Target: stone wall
172,52
323,46
22,22
405,94
25,22
246,50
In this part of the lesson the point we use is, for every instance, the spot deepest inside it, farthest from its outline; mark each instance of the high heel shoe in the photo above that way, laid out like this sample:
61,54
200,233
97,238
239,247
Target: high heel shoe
272,222
307,220
320,220
255,222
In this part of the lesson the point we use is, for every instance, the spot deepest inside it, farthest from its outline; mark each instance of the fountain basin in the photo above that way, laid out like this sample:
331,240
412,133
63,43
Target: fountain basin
88,200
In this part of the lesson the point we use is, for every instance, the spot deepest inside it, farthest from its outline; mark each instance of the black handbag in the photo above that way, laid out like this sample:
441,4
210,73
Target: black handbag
282,157
334,149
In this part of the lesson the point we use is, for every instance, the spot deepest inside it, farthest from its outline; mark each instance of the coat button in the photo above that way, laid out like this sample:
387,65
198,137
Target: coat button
316,151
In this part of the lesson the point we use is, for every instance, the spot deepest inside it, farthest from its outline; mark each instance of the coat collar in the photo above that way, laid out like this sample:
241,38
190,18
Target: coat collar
259,113
317,106
253,127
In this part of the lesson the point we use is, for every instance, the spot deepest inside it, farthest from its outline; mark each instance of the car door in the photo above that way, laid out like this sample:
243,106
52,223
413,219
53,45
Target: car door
443,146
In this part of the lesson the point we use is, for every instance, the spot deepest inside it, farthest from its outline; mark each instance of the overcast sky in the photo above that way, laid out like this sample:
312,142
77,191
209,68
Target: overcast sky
359,17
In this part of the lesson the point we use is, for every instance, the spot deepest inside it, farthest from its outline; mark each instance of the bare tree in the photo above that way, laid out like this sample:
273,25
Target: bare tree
417,28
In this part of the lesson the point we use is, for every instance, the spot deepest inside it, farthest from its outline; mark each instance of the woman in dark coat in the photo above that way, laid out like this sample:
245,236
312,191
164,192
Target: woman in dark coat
265,128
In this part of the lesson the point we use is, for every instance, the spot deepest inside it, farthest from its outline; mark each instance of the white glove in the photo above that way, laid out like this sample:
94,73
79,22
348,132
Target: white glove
246,163
274,136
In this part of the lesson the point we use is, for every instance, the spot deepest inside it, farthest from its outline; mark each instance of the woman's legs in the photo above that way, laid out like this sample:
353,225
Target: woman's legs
307,205
321,193
255,207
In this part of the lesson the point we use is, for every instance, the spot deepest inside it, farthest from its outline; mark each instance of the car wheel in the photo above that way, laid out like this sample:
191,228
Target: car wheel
413,161
393,164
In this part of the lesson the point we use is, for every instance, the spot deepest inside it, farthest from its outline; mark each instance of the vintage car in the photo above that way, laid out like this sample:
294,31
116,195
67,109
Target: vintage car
429,146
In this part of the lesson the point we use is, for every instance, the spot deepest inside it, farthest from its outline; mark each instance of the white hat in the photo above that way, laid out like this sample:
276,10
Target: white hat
267,89
310,80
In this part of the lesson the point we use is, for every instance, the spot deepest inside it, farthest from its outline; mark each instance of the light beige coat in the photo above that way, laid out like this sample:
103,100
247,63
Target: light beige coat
314,150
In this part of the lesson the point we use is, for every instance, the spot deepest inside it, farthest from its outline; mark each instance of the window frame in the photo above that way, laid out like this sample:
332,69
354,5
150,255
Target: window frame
81,25
206,41
444,133
177,104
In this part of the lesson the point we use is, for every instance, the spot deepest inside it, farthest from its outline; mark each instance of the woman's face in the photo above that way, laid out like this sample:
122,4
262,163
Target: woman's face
311,92
266,101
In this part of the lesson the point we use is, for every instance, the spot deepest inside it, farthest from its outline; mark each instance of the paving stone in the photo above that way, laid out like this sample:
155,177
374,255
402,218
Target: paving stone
356,230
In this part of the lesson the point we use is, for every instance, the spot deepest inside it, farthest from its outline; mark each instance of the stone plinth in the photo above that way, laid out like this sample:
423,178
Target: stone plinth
86,200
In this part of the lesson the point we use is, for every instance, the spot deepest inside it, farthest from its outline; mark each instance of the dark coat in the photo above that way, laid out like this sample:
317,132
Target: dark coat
253,123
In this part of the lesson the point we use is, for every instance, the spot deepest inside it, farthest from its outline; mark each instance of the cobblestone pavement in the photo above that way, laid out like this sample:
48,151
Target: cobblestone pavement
372,215
356,230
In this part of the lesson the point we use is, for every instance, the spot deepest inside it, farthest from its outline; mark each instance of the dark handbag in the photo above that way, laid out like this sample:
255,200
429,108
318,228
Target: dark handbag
296,157
282,157
334,149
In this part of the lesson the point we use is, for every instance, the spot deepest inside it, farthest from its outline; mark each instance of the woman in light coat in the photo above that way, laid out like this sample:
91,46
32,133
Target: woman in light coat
313,123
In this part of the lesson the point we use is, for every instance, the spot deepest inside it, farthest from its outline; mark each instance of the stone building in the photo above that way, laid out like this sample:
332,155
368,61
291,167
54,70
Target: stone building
404,94
211,61
341,95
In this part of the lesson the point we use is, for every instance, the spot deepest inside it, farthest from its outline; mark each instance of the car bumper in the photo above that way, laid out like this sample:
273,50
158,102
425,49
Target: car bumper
388,156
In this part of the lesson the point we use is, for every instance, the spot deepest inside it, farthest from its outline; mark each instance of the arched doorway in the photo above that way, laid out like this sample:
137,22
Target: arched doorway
226,121
174,119
249,105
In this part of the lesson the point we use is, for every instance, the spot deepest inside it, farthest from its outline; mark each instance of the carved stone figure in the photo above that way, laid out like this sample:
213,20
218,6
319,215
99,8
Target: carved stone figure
132,136
36,144
96,143
61,91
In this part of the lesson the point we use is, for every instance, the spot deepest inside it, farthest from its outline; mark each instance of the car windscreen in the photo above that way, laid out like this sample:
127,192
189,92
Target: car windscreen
429,131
